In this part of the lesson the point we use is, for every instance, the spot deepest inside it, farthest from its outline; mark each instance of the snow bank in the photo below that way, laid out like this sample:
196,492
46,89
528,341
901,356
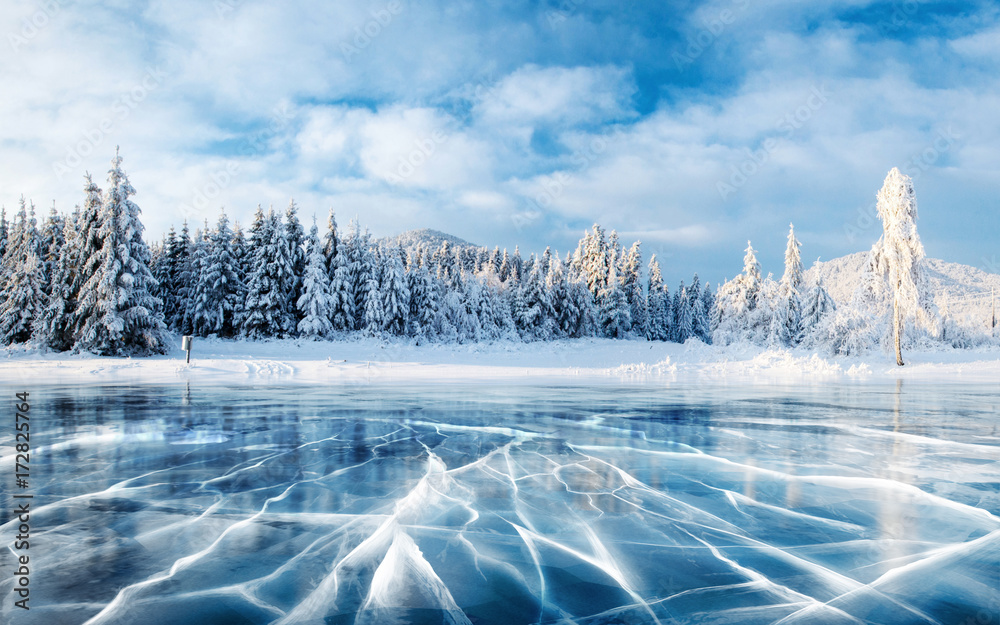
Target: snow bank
370,360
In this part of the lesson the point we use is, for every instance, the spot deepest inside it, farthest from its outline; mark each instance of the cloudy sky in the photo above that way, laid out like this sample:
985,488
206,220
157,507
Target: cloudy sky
692,126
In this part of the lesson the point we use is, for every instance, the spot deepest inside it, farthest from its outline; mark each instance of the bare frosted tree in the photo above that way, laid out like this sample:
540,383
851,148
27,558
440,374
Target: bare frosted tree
900,252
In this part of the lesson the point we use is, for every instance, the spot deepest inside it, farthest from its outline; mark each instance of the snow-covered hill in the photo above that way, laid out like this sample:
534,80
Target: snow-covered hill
964,289
425,238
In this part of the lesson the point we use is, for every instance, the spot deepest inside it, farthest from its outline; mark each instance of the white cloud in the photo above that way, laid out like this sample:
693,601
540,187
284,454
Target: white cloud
556,95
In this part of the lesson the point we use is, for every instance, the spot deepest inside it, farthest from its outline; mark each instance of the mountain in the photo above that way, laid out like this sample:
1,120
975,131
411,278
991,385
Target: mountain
965,289
426,238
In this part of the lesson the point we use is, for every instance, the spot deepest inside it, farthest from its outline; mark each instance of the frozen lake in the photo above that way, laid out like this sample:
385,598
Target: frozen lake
496,504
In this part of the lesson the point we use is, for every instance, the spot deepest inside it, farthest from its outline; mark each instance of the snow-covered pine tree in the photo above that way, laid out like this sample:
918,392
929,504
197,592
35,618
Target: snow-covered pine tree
902,254
3,233
172,291
708,305
444,259
764,322
330,242
220,290
614,309
187,279
294,236
685,314
788,311
270,280
595,261
395,293
314,304
658,326
360,268
505,267
195,313
341,292
52,238
464,303
817,305
241,260
373,319
517,265
632,283
486,310
546,260
735,317
116,314
495,260
700,324
561,310
23,302
54,327
533,306
423,304
15,251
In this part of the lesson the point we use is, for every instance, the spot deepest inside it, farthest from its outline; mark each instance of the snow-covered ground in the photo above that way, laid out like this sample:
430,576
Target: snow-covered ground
369,360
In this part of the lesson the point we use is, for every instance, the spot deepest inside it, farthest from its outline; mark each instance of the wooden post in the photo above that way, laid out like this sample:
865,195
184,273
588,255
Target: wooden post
186,341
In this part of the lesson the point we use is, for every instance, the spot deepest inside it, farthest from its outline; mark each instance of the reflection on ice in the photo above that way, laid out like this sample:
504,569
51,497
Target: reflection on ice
629,505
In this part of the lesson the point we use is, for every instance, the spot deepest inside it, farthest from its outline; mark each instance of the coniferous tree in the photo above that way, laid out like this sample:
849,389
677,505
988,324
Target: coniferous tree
517,265
268,286
395,293
330,241
658,328
219,290
632,283
3,235
294,236
684,315
241,259
505,269
52,239
533,305
561,311
373,319
23,302
54,327
116,314
195,313
737,317
817,305
700,323
615,315
423,304
315,302
341,292
788,311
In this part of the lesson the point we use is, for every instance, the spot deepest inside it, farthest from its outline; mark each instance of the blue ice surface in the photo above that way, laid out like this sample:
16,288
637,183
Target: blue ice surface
478,504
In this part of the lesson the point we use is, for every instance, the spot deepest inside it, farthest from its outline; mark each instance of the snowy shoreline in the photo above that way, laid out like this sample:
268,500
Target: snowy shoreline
564,362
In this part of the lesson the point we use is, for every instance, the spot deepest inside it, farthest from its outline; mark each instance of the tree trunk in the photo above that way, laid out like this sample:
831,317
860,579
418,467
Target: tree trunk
898,330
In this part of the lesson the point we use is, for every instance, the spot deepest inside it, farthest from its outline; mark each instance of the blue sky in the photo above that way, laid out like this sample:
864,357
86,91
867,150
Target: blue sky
692,126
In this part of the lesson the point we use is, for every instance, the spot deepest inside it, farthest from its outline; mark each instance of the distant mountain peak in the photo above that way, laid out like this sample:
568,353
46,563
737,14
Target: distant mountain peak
966,289
426,238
